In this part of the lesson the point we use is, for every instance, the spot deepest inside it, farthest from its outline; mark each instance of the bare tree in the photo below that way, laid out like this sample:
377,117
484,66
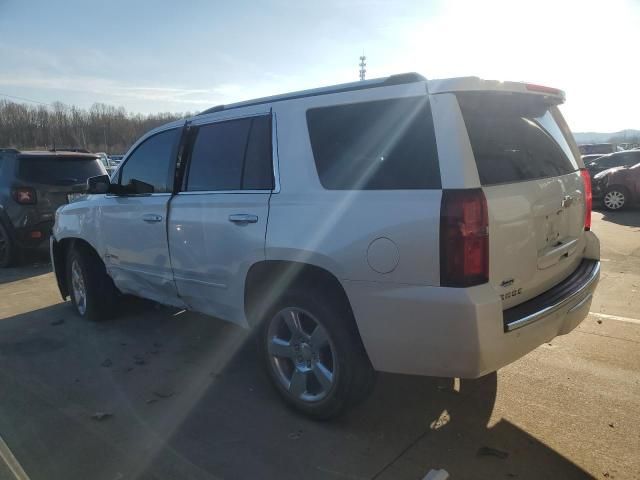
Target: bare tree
101,128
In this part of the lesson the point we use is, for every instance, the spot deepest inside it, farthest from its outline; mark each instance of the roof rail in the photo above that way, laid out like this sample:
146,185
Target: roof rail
398,79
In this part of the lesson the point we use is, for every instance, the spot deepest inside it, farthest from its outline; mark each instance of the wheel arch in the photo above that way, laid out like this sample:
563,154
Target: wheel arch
618,186
267,280
59,251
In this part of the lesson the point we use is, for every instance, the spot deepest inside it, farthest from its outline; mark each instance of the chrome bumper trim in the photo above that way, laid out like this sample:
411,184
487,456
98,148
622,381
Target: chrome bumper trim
560,304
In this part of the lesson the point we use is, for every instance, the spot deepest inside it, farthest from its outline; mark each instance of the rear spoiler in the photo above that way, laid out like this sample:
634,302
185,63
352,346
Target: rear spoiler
475,84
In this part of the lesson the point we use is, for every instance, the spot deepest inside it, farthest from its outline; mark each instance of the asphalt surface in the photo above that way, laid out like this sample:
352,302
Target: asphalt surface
159,394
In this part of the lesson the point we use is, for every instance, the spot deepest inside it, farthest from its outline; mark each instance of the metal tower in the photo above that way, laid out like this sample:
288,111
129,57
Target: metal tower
362,65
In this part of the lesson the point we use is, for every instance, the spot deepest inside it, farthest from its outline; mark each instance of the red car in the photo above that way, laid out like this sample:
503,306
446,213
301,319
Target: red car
618,187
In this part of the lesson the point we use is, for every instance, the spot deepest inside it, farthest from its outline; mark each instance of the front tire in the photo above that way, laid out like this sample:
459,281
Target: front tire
616,198
92,292
314,355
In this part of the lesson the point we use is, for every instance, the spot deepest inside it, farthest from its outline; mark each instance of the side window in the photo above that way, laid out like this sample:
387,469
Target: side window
614,161
232,155
258,166
151,161
630,158
380,145
610,162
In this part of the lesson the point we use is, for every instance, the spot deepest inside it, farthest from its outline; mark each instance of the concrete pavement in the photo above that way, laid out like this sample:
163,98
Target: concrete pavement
189,400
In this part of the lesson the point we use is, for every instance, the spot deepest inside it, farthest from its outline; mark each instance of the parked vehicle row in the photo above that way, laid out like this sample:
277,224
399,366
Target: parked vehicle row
110,162
402,225
626,158
594,148
33,184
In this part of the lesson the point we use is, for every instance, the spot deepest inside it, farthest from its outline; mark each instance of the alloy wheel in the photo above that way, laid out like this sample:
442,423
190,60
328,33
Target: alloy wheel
301,354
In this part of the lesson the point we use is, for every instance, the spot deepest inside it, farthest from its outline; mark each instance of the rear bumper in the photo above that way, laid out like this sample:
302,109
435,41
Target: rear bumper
33,236
28,226
463,333
577,287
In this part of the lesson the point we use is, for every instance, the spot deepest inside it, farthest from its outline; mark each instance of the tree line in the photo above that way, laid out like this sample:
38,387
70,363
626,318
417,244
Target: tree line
101,128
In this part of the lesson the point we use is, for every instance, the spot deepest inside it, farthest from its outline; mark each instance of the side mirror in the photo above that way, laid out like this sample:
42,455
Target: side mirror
98,185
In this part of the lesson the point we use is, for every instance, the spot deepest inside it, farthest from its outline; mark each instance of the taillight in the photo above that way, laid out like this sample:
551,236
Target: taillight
588,198
25,195
464,238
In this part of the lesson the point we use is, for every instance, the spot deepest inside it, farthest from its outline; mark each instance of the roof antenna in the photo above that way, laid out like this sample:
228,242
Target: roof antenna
363,64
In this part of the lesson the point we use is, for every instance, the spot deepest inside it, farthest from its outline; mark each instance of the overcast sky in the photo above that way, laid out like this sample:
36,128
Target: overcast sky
151,56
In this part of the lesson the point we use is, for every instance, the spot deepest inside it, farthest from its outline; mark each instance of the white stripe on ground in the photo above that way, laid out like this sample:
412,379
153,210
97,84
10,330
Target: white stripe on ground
615,317
11,462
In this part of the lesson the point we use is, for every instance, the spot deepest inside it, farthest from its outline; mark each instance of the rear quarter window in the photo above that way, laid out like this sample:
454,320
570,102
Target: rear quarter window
379,145
516,138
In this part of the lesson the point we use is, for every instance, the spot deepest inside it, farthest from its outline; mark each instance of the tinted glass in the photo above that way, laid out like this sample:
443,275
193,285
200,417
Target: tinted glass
151,161
55,170
630,158
232,155
258,168
516,138
605,161
382,145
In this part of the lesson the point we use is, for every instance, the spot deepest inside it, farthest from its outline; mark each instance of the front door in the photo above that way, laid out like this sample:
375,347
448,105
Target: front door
134,222
217,223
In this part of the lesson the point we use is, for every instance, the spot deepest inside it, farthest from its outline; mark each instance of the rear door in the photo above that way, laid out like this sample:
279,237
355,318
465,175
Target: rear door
528,166
134,224
218,221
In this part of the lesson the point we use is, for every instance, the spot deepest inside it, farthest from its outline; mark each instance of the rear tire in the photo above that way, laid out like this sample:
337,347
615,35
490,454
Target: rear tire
313,354
616,198
93,294
7,248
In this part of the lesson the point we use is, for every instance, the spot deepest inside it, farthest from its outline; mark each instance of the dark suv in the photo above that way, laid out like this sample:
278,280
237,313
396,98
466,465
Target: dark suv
33,185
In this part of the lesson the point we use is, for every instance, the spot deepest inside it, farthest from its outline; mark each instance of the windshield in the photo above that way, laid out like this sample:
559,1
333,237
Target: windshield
56,170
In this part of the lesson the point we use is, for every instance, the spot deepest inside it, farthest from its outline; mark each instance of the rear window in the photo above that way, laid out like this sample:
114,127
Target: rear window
381,145
517,138
56,170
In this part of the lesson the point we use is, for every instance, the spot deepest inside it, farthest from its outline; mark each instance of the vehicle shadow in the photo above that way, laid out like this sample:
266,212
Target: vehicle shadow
629,217
28,266
188,399
407,427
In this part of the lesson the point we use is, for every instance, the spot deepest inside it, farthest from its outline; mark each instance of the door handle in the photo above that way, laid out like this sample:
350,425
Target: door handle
243,218
152,218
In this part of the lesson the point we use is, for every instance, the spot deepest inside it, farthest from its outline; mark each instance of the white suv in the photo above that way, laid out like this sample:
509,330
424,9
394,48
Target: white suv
400,225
